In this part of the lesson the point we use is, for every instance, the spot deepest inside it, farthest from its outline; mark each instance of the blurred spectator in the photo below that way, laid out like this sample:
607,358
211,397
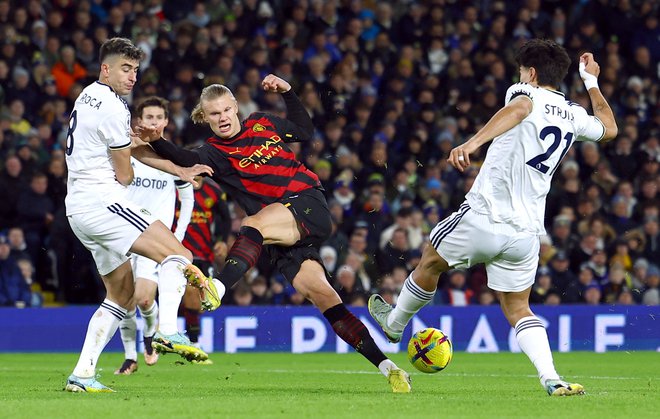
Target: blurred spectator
455,293
259,289
242,295
542,286
652,237
651,295
16,240
67,71
592,294
14,291
346,284
561,274
12,183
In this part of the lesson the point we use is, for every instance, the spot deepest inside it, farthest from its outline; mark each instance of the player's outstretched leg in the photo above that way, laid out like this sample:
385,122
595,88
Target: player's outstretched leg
171,287
312,283
394,319
355,333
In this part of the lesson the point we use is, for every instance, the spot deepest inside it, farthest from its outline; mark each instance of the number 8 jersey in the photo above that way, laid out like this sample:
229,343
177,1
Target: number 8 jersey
515,177
99,122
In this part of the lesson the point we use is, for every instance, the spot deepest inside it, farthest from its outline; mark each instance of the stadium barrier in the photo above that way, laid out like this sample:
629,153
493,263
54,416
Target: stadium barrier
303,329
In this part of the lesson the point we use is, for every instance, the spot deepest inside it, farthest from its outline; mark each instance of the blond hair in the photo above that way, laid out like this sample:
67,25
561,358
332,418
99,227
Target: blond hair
210,92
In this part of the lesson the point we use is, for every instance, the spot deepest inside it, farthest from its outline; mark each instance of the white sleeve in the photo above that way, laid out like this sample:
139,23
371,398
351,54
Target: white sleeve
519,89
187,198
115,130
588,127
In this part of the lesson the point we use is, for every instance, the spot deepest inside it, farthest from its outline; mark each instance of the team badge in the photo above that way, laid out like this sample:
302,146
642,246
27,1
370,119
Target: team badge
209,202
258,128
145,211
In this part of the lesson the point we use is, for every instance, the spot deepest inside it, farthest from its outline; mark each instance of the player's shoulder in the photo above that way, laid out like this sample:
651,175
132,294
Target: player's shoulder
576,108
104,98
521,89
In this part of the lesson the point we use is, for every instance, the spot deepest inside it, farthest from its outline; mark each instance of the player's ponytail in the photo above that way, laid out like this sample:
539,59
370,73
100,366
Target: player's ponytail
211,92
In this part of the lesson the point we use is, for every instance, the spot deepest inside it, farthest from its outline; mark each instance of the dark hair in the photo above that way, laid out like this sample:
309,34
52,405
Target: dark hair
122,47
549,59
153,101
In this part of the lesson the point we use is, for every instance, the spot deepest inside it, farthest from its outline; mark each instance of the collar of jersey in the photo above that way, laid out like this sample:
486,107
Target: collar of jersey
231,139
106,85
557,92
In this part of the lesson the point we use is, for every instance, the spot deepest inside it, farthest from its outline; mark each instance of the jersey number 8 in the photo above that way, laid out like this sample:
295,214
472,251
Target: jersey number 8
73,121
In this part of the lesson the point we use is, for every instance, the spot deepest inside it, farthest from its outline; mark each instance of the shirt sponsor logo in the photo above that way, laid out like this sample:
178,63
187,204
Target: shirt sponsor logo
149,183
264,153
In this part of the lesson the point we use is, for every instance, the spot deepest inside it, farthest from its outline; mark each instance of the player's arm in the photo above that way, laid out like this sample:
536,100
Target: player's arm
506,118
121,162
187,199
114,130
298,125
589,71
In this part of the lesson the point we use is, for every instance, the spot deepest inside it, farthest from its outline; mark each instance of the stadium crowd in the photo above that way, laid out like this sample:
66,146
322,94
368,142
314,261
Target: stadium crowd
391,87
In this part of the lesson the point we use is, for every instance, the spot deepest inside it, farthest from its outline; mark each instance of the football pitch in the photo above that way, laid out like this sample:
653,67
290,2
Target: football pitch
262,385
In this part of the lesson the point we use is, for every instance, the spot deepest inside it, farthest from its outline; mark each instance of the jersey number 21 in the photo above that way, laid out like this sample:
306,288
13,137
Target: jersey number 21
538,162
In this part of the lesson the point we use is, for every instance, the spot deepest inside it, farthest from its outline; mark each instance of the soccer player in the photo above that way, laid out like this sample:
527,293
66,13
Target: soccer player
285,205
155,191
98,151
210,222
501,220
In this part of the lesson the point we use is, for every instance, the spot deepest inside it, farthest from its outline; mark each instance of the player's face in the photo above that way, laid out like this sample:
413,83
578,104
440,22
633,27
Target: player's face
120,73
154,116
222,116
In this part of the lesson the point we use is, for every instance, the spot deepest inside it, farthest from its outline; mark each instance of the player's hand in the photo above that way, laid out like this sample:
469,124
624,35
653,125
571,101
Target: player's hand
272,83
188,174
459,157
149,133
590,65
589,70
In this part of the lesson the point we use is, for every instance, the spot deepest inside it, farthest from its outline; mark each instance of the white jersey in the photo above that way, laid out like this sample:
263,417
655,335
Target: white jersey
515,178
155,190
99,122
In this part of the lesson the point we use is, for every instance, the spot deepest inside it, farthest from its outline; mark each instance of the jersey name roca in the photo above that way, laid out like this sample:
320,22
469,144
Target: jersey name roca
92,101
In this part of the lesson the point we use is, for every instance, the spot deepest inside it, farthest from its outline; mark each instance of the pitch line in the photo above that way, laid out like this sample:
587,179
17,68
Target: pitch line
591,377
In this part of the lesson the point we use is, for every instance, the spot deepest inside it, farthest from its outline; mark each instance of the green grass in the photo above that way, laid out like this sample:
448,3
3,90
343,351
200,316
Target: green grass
316,386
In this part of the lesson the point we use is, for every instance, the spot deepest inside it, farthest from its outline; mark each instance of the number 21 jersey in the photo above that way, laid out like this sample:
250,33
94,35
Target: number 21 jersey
515,177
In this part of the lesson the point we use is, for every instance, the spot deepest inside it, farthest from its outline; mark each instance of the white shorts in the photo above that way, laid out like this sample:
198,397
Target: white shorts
467,238
143,267
108,232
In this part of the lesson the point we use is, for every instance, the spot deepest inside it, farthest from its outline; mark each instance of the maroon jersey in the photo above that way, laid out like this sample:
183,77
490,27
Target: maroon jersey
209,218
256,167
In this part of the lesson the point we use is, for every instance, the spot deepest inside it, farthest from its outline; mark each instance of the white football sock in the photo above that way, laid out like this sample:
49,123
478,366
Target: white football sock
410,301
128,331
533,341
171,286
385,366
102,326
150,317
